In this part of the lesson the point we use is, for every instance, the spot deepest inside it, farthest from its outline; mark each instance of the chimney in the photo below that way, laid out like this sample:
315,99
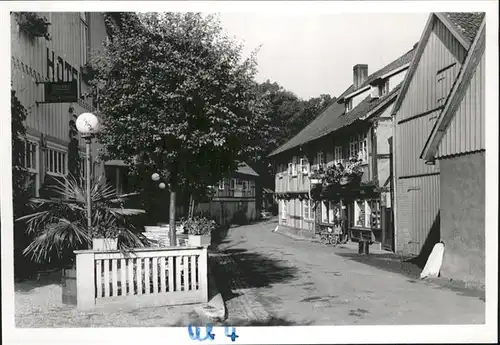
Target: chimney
360,73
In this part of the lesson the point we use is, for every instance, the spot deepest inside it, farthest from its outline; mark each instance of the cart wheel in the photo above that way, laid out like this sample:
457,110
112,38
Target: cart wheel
334,240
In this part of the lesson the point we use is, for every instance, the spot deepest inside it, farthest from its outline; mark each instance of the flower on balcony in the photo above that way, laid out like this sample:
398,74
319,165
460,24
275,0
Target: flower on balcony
317,174
34,25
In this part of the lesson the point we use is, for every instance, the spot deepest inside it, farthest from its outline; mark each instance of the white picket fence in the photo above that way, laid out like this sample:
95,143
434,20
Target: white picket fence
145,277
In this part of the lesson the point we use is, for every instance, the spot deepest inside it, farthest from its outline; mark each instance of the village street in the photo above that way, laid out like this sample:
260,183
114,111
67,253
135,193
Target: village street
267,278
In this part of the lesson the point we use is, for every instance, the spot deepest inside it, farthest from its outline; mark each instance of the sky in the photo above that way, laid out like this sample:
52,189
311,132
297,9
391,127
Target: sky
314,54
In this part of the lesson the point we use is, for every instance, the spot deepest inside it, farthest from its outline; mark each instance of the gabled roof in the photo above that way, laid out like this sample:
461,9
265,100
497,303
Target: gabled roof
333,118
244,168
463,26
456,95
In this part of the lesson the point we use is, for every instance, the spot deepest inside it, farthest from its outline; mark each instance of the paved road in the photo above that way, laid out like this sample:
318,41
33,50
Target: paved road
267,278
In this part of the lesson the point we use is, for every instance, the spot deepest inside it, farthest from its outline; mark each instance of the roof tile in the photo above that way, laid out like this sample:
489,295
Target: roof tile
467,23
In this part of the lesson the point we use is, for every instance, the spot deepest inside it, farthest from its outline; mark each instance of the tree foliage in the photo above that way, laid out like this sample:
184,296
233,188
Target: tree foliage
288,115
19,172
177,97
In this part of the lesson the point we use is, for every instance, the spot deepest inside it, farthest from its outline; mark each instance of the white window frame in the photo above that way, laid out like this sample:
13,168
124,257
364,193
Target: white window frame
358,147
53,169
368,206
337,154
290,168
232,184
306,205
348,105
294,166
244,185
304,166
221,184
320,159
34,141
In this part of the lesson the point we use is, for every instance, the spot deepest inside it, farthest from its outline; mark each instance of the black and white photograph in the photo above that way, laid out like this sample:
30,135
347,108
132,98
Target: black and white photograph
199,169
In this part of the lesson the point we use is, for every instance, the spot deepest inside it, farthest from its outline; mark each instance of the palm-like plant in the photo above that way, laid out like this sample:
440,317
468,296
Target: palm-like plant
59,225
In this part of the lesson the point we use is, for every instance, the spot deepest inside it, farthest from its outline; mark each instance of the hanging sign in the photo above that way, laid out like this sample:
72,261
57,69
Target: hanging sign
61,92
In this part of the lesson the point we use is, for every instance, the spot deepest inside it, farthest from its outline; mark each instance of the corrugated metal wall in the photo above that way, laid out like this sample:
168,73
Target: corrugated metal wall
466,132
417,194
442,50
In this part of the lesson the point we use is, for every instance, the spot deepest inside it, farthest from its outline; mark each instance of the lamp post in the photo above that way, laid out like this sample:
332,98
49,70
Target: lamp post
172,229
88,125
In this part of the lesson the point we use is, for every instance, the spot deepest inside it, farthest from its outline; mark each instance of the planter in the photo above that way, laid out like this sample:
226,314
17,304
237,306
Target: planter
199,240
69,286
104,243
315,181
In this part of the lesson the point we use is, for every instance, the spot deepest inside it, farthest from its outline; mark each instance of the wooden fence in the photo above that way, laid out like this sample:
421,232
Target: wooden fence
145,277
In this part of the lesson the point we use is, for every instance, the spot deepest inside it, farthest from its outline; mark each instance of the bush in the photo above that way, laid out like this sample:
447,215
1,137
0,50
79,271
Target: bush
199,226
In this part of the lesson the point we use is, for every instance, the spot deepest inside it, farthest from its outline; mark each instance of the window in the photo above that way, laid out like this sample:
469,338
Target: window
283,209
290,168
320,159
304,166
56,162
358,147
294,166
383,88
84,25
31,164
367,213
307,209
252,184
232,184
221,184
244,185
337,157
348,105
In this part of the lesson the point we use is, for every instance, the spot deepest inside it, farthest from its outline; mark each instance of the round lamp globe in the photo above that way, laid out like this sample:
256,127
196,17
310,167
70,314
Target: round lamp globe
87,124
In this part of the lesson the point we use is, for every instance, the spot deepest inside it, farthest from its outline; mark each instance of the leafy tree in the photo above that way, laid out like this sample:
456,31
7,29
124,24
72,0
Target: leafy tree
178,99
19,172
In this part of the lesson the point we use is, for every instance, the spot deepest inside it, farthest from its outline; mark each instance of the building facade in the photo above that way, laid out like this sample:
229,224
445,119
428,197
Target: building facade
358,126
236,199
457,144
439,59
60,54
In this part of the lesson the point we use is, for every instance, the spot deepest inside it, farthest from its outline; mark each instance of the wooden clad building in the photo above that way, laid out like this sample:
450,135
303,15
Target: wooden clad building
62,56
457,142
439,58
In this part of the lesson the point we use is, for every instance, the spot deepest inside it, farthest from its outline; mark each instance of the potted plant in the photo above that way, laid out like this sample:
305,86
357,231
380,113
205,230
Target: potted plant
199,230
34,25
58,224
105,237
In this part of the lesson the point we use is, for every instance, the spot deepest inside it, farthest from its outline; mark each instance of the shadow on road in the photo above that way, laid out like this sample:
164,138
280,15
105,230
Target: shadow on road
389,262
409,268
235,269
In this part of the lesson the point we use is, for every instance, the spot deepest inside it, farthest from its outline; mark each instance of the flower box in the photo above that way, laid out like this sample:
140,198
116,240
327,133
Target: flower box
315,181
199,240
104,243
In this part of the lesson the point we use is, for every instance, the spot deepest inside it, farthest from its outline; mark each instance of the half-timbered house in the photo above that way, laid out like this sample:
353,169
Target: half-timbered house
358,125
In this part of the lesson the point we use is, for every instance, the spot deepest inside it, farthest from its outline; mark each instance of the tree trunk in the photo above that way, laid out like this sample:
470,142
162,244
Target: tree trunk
172,225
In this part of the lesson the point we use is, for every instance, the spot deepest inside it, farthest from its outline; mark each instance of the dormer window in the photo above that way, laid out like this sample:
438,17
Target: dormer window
383,88
348,105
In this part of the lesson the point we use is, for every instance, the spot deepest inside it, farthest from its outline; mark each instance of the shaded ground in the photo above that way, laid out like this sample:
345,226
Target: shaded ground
266,277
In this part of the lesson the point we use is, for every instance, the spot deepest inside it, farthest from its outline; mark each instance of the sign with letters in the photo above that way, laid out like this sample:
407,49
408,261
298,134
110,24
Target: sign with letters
61,92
